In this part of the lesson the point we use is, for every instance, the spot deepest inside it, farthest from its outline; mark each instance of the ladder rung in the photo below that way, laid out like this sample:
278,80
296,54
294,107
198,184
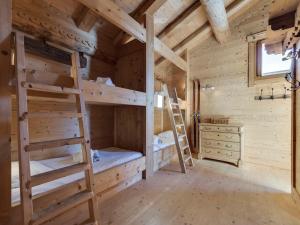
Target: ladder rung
187,158
174,103
53,144
89,222
50,88
185,147
181,136
179,125
58,173
53,115
61,207
176,114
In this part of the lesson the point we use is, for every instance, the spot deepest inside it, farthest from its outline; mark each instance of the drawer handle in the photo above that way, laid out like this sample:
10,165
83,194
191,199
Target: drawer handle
218,143
207,151
207,128
228,146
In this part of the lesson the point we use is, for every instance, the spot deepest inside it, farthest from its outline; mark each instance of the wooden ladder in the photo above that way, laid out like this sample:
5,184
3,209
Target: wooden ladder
25,147
179,131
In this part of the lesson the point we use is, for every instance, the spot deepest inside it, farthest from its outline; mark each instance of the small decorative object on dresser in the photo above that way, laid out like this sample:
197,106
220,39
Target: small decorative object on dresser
224,142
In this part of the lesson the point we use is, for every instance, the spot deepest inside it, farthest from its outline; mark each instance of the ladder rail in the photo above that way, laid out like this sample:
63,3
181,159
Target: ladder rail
23,131
186,137
29,216
172,115
86,150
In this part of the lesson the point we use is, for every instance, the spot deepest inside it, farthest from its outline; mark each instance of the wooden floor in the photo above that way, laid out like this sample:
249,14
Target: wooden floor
211,194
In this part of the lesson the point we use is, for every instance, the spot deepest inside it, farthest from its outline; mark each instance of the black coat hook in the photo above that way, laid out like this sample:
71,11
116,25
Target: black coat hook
261,93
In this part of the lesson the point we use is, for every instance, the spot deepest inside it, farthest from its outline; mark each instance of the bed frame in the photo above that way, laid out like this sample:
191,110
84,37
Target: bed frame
164,156
107,183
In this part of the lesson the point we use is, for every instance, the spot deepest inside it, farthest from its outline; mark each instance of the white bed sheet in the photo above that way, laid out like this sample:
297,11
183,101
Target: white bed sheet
109,157
165,138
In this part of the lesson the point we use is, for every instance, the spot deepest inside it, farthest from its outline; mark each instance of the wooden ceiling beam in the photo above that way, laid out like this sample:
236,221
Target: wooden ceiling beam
216,14
86,19
195,6
138,15
115,15
155,7
292,36
204,32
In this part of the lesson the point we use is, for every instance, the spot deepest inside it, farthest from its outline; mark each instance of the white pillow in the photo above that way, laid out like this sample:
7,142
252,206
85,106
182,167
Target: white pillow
105,80
157,140
78,158
167,137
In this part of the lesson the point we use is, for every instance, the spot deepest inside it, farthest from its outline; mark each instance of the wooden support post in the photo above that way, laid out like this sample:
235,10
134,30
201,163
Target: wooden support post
188,93
5,108
149,94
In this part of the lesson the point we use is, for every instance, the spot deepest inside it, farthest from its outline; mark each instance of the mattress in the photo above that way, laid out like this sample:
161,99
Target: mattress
109,158
163,140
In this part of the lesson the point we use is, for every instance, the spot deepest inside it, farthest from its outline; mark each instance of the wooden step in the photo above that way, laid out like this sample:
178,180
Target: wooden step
58,173
35,115
49,88
179,125
53,144
187,158
185,147
61,207
181,136
89,222
176,114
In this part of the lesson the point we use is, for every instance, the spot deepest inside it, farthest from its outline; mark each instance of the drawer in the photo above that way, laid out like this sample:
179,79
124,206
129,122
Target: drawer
221,136
226,129
220,154
231,146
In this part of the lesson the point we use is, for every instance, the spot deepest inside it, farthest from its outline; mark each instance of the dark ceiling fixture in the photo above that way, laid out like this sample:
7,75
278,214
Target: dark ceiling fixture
290,77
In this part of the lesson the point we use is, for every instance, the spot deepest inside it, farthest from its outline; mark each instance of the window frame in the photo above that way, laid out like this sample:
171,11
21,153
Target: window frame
259,59
255,64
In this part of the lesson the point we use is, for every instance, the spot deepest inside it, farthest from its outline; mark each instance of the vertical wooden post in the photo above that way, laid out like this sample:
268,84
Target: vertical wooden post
23,131
149,94
5,108
188,96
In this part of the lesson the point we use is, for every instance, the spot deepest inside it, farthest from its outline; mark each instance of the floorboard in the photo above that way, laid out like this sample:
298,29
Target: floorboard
211,193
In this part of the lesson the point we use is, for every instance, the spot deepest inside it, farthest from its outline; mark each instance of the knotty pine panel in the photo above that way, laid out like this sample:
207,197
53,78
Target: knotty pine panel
267,123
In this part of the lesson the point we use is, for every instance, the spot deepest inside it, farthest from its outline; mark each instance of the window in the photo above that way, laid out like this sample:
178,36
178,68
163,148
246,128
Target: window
159,100
270,64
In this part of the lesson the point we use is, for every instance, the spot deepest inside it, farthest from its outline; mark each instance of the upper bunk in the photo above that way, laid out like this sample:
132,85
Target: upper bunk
95,89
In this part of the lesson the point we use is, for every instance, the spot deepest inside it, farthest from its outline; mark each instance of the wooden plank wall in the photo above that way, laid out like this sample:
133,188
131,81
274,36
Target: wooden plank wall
130,120
48,129
174,78
267,123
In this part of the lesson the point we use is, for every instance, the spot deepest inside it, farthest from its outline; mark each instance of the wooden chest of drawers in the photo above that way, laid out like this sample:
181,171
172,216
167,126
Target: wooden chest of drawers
224,142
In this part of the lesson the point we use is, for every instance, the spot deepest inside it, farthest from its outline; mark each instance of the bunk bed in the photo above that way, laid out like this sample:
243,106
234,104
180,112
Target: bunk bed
94,93
115,168
163,141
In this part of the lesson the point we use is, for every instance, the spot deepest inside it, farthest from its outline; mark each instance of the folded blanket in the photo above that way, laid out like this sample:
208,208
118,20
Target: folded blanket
105,80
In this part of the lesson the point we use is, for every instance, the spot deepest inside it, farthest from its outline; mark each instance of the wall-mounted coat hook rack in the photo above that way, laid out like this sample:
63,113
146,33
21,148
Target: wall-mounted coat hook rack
272,96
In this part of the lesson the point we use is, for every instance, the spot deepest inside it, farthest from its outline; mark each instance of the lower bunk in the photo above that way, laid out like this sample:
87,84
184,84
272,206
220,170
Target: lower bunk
114,170
164,149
